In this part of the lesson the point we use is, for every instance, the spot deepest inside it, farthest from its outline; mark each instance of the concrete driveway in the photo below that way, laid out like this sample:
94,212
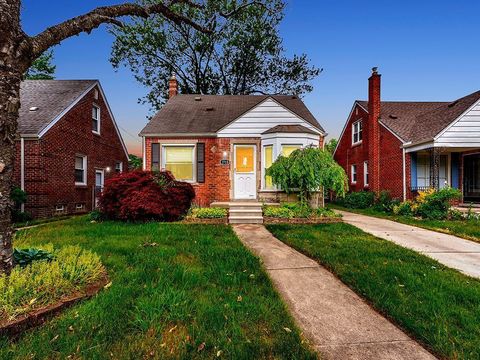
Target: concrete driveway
452,251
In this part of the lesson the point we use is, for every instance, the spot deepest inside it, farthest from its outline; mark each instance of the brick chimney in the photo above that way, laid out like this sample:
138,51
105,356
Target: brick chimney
172,86
374,105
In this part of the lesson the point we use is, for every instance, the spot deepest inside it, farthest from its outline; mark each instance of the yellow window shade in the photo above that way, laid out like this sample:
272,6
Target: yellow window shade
179,160
244,158
268,153
288,149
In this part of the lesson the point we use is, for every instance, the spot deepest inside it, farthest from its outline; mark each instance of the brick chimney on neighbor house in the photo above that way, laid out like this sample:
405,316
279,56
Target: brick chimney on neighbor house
374,130
172,86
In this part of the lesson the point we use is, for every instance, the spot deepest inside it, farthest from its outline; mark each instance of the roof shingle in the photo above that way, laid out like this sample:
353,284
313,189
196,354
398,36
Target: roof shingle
184,114
51,97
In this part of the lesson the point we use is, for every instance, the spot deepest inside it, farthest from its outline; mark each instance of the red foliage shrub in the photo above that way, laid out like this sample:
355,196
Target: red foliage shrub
142,196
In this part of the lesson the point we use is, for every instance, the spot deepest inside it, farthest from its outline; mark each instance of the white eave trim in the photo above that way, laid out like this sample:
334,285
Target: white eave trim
320,132
456,120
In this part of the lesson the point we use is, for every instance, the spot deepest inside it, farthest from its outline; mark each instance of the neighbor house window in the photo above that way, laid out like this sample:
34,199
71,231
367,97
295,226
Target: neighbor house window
96,119
179,160
288,149
365,173
118,167
80,170
268,161
354,174
357,132
423,171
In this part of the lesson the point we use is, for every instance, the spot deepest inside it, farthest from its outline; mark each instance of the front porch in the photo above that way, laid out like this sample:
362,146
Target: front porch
439,167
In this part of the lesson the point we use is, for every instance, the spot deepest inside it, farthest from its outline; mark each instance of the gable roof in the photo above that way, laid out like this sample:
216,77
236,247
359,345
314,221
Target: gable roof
418,122
290,129
207,114
52,97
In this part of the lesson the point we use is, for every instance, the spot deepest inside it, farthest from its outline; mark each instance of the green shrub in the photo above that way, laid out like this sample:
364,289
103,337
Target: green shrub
454,214
358,200
20,217
403,209
384,202
24,257
96,215
209,213
44,283
18,196
278,212
299,210
326,212
436,204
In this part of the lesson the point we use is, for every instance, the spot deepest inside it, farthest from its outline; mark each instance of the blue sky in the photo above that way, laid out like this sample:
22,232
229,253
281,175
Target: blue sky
425,50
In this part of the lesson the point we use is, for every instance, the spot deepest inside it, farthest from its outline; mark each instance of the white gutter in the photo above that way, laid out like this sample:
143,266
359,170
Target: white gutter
22,169
404,176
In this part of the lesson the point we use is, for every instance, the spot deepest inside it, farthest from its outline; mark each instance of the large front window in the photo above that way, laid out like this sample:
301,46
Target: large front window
287,150
179,160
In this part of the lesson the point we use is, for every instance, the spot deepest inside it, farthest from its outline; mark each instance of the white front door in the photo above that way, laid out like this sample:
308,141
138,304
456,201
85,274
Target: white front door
244,172
99,181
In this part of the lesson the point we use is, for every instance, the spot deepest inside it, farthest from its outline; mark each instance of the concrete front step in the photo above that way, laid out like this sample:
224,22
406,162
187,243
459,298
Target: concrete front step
245,212
245,219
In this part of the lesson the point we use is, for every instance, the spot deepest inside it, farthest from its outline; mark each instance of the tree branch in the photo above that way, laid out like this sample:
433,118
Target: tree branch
108,14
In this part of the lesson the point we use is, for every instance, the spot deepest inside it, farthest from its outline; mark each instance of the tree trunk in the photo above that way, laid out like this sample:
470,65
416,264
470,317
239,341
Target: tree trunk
11,70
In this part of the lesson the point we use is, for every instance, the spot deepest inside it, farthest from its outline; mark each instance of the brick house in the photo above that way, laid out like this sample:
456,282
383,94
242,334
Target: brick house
222,144
68,144
404,146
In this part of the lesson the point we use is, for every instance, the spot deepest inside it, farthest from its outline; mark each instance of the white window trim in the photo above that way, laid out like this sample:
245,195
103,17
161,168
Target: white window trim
352,167
365,172
353,132
85,169
98,120
264,183
194,148
121,166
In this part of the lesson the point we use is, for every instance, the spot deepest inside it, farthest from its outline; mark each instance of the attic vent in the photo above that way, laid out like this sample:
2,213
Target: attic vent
393,117
452,104
209,108
198,98
33,108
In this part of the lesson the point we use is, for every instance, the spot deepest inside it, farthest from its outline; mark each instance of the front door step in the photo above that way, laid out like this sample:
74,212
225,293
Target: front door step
245,213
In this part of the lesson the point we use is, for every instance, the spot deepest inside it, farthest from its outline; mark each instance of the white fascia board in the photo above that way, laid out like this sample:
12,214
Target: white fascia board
355,103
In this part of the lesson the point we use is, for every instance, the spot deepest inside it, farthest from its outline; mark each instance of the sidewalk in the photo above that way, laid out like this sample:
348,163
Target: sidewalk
339,324
452,251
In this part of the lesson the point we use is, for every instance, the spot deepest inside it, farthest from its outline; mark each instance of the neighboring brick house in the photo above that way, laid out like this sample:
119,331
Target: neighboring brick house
404,146
68,144
222,144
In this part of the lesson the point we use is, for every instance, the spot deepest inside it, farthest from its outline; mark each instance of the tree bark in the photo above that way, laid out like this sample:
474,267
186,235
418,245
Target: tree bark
12,64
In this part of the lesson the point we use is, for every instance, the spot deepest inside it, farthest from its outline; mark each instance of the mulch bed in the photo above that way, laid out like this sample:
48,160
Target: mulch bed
205,221
318,220
36,317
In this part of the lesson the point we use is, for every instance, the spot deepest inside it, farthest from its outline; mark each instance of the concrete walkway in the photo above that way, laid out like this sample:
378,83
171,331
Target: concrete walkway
452,251
339,324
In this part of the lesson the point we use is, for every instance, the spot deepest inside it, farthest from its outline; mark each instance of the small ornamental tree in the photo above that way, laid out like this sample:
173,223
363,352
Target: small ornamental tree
307,171
143,196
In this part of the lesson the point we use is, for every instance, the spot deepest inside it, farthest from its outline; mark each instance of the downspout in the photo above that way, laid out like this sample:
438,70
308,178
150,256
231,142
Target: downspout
404,176
22,169
144,156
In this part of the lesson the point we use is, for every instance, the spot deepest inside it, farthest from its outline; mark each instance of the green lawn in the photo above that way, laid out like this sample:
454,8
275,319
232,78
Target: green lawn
437,305
467,229
198,294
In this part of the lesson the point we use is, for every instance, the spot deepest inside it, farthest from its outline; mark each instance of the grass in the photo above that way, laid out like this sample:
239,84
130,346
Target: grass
178,291
467,229
437,305
44,282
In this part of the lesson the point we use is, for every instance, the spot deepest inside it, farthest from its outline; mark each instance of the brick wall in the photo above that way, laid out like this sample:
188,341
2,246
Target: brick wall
348,155
50,161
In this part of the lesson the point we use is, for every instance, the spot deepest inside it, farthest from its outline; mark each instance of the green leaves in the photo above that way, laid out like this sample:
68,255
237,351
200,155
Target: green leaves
42,68
243,55
24,257
308,170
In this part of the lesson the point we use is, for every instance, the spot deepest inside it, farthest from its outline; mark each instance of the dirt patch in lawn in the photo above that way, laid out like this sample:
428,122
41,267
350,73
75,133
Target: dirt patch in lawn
36,317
